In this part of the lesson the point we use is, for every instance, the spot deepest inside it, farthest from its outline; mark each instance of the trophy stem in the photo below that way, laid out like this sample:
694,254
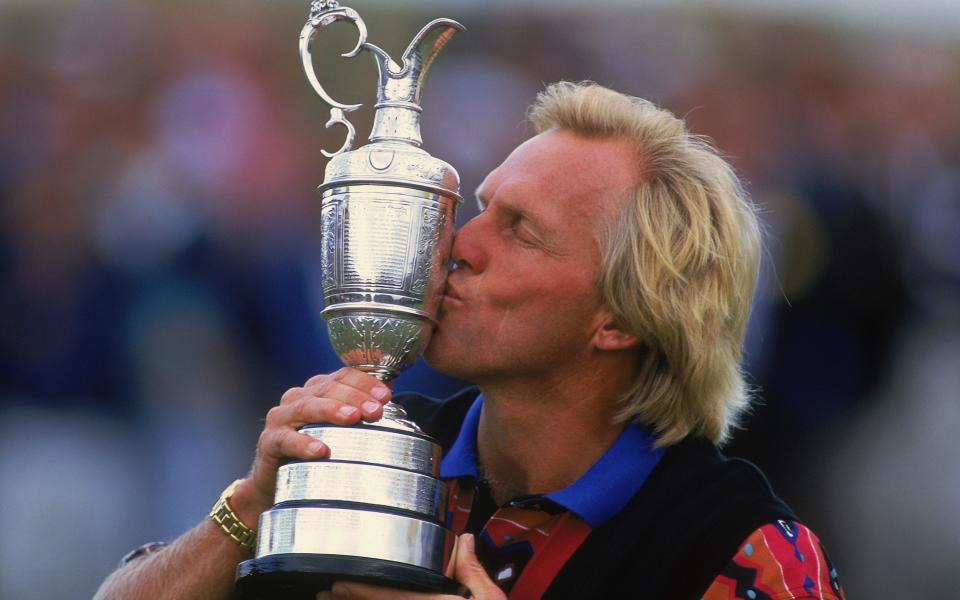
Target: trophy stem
394,416
392,410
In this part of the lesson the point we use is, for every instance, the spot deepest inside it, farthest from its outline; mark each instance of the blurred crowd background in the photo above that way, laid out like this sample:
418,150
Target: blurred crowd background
159,252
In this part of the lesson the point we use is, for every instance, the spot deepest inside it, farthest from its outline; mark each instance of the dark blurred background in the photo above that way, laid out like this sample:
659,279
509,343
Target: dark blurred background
159,246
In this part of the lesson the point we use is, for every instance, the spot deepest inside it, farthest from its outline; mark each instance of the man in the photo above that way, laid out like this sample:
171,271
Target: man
599,303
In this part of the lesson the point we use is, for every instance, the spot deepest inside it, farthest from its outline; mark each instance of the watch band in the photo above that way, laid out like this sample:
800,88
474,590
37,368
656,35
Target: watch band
227,520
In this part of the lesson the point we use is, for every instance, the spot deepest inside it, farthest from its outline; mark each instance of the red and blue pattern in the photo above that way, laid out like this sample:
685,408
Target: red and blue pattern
780,560
524,544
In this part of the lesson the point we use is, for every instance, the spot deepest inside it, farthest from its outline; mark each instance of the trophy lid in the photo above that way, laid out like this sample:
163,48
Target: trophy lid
392,163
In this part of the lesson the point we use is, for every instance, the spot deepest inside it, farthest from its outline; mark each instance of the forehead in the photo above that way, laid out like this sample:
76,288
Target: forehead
564,171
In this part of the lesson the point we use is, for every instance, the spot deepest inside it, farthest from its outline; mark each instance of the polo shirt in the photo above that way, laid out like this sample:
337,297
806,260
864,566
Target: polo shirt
684,522
597,495
549,527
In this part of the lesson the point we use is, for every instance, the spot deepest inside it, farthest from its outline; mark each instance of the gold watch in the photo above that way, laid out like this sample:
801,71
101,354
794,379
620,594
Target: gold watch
229,522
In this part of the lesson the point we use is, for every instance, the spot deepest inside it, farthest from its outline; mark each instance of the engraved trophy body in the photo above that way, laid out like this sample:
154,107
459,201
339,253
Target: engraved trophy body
374,510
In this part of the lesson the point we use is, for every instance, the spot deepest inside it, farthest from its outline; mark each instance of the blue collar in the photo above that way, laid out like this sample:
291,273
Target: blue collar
598,495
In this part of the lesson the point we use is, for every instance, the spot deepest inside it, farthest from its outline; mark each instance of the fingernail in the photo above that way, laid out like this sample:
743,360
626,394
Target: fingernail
315,447
347,411
379,392
370,406
468,541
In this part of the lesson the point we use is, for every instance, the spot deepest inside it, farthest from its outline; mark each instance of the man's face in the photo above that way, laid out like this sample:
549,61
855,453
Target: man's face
523,300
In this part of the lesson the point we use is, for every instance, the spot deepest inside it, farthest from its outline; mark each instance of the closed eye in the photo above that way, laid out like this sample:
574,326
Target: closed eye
521,231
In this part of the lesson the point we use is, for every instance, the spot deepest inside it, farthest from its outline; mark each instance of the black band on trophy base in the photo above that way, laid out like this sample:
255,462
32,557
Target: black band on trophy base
301,576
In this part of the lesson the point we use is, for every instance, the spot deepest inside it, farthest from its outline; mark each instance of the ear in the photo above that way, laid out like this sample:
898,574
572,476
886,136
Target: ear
609,335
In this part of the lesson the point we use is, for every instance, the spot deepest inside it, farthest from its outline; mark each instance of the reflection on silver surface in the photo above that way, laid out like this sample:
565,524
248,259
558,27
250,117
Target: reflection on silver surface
384,240
349,532
353,482
383,259
369,445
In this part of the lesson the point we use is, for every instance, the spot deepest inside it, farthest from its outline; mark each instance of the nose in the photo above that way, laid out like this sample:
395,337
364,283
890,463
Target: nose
467,251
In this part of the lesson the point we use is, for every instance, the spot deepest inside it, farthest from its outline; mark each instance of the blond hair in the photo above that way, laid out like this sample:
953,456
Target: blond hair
678,266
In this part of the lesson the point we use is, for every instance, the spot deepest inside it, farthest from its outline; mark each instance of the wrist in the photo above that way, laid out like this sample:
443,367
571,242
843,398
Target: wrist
247,503
229,522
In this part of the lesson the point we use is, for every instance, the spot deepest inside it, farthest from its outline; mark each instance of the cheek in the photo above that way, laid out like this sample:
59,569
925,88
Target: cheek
556,314
567,286
519,287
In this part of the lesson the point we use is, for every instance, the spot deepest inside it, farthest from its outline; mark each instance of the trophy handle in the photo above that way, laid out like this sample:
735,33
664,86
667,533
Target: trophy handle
322,15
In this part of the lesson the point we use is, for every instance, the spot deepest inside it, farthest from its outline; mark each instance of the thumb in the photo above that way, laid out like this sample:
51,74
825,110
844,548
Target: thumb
471,573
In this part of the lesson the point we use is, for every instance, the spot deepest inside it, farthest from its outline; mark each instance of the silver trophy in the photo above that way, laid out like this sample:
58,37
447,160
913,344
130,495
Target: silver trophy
374,510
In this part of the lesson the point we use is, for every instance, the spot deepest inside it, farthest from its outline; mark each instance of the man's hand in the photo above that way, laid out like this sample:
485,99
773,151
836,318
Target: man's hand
342,398
464,567
202,562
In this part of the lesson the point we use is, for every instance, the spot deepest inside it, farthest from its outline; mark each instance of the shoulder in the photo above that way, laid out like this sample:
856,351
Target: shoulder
783,559
697,463
683,525
708,504
704,492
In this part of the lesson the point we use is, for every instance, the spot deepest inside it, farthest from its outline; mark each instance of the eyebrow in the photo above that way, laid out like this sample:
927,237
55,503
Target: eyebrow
482,202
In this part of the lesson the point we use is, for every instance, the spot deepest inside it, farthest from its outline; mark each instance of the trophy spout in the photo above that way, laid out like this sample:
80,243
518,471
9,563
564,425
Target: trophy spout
425,48
398,108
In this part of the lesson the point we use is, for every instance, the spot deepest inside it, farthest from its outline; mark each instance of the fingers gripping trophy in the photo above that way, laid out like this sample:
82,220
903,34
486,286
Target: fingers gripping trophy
374,510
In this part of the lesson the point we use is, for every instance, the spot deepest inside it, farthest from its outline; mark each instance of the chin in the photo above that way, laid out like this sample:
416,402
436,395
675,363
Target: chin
445,363
435,359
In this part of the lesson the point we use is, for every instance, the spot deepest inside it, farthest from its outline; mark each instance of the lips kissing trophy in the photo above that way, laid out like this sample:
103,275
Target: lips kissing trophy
374,510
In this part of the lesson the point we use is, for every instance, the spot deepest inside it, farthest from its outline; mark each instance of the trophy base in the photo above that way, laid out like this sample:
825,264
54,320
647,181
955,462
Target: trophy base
301,576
